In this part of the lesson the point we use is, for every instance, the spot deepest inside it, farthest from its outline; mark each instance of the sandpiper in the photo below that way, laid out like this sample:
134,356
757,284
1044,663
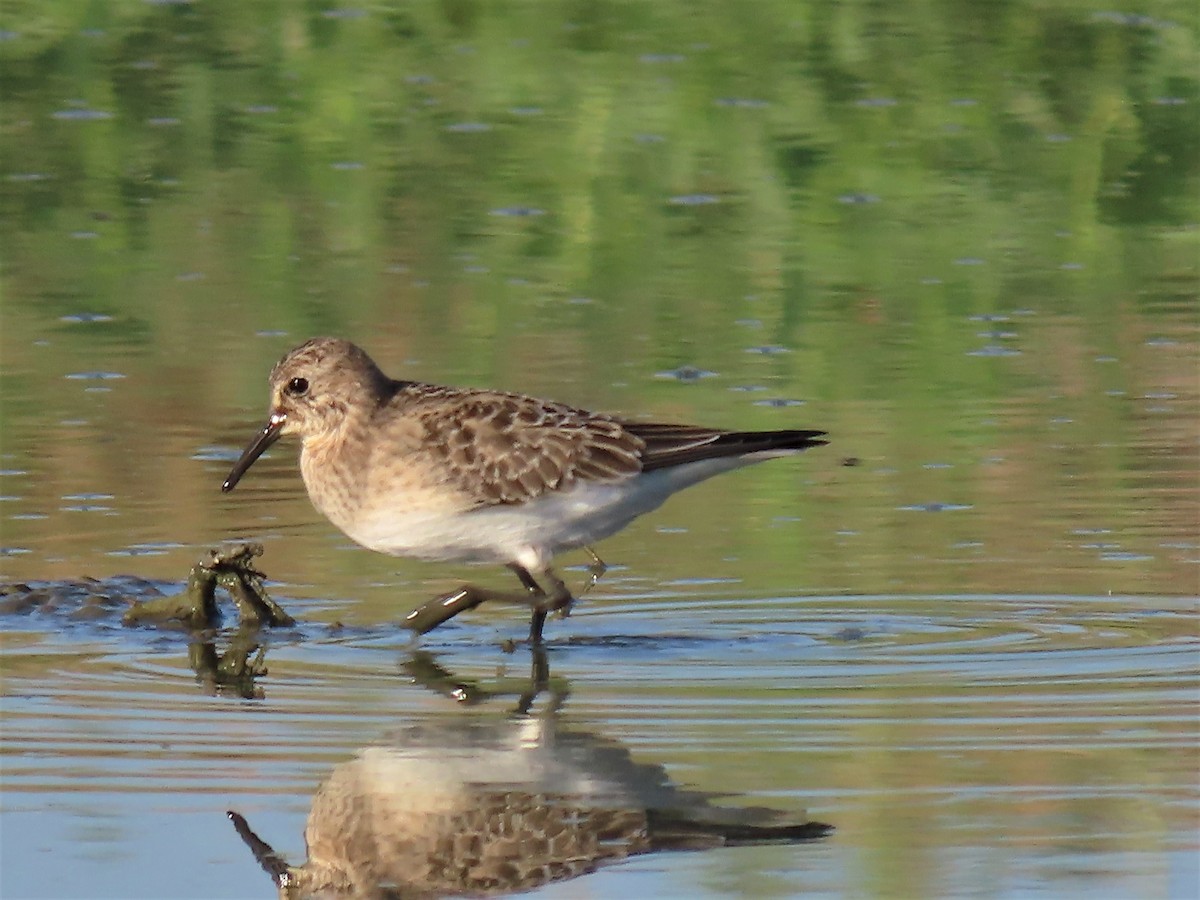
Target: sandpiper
446,473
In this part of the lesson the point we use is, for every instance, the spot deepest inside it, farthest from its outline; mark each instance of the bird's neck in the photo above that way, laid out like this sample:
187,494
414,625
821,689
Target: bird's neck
331,463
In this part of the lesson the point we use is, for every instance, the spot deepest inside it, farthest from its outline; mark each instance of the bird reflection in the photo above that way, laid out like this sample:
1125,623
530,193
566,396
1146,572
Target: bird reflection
478,804
424,669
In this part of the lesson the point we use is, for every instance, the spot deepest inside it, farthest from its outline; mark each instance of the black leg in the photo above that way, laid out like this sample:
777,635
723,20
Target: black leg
536,621
537,595
558,600
527,579
439,610
560,597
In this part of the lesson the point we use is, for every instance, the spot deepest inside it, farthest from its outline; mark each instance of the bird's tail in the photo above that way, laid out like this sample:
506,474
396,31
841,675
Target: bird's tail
672,445
671,830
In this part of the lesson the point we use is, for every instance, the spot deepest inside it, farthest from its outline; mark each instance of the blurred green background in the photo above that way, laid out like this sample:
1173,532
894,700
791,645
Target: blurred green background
962,234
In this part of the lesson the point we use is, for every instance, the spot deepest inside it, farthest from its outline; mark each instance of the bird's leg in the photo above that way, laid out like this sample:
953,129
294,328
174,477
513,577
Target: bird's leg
439,610
429,616
558,598
536,595
531,585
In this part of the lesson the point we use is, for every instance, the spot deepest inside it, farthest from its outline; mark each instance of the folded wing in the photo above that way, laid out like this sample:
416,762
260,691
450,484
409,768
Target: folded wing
508,449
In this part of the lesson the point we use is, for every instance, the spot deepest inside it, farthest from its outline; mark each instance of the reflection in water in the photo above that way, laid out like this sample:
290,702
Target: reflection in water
231,671
473,804
190,610
426,671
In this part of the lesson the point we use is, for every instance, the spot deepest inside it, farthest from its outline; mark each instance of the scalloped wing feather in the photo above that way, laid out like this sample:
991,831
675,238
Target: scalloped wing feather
508,449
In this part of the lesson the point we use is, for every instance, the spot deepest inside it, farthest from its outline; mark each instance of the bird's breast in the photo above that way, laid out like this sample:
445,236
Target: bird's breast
334,478
371,486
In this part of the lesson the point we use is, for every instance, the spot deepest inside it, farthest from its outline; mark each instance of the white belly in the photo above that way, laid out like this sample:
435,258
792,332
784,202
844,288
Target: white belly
530,534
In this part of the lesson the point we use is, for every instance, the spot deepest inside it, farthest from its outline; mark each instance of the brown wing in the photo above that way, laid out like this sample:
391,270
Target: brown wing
506,448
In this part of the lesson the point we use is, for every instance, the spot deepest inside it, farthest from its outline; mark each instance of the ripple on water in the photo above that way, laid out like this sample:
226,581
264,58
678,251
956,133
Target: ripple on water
217,454
691,674
687,637
935,507
779,402
994,350
518,212
694,200
94,376
81,114
686,374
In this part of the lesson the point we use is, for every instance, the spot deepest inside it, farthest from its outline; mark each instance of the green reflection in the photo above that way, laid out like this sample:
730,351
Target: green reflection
569,198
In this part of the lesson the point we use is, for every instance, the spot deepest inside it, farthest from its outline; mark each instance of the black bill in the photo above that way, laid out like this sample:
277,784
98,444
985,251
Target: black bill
268,436
263,852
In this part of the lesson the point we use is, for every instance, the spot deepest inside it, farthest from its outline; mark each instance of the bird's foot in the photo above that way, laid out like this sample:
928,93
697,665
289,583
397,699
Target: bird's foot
596,570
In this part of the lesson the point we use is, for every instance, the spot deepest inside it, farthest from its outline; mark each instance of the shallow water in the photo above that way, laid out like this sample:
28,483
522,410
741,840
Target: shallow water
1046,740
966,633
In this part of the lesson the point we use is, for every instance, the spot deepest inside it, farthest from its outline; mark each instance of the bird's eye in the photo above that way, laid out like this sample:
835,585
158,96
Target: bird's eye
297,386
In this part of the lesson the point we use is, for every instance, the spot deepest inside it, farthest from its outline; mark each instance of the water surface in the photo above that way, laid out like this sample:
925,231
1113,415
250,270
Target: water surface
964,241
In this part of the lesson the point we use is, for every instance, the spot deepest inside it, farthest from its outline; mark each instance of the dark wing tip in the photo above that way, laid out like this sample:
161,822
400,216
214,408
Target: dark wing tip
670,445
